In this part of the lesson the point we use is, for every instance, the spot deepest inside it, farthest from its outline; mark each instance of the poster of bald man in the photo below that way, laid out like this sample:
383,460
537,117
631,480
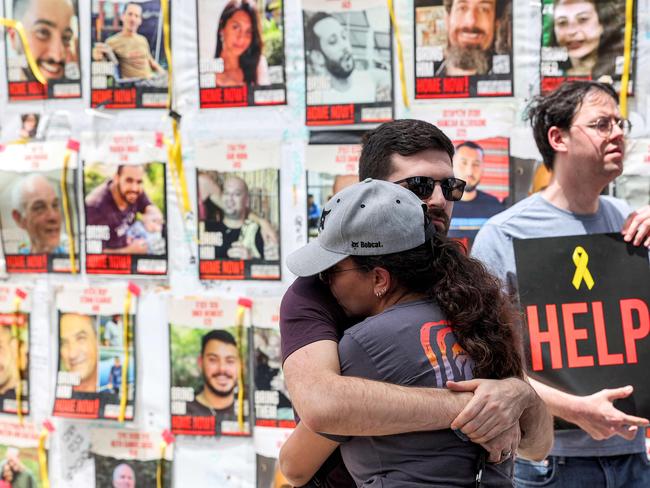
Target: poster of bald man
582,40
130,459
348,62
96,366
52,33
241,53
125,204
210,373
128,61
463,48
238,188
38,207
14,349
19,461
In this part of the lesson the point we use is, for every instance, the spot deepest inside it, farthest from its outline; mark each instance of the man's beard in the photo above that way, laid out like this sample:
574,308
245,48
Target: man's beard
336,69
124,194
219,393
470,188
439,213
469,58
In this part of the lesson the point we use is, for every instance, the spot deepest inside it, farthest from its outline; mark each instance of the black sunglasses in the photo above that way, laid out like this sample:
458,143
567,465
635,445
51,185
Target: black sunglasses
423,186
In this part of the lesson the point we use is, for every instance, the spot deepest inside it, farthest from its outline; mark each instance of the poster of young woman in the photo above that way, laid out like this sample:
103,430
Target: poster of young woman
210,374
96,353
238,188
129,66
582,40
241,53
38,220
52,32
14,349
348,62
125,204
19,464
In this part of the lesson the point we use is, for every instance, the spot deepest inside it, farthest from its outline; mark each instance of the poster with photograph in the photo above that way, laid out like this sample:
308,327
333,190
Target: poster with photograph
241,53
125,204
37,226
96,354
14,349
463,48
52,31
348,62
238,188
484,165
19,466
330,168
210,374
582,40
268,442
130,458
272,404
129,66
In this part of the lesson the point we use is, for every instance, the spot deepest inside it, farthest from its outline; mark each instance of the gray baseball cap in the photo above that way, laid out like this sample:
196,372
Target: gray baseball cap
370,218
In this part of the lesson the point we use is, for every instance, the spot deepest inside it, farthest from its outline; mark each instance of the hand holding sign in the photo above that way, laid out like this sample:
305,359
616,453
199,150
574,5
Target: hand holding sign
637,227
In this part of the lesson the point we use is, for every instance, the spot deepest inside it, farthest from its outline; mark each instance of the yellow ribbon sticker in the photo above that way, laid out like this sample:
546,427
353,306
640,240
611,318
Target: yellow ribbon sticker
18,27
580,259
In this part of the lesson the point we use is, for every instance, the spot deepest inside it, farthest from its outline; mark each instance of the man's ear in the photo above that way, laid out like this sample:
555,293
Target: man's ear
557,138
18,218
382,281
15,41
316,59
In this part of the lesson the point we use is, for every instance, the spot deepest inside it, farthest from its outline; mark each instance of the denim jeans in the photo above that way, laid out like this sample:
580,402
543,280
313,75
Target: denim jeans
626,471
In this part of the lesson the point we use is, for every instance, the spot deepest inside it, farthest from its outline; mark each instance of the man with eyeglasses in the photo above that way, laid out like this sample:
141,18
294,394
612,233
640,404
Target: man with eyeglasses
417,155
580,134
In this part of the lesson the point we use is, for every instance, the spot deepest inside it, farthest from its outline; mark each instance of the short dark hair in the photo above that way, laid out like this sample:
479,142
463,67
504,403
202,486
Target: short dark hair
557,109
471,145
217,335
312,41
404,137
499,6
137,4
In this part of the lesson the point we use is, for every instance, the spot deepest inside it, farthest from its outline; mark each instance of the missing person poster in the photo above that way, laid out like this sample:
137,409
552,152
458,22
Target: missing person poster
582,41
129,66
14,349
19,465
96,352
38,206
238,188
52,32
586,302
348,62
241,53
463,48
125,204
330,168
130,458
210,374
484,165
271,399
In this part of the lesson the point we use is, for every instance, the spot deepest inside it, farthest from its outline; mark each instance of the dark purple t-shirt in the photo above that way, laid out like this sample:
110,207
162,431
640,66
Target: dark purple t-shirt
101,209
309,313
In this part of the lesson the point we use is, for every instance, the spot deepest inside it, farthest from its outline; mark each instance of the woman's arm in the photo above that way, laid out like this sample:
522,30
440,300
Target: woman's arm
303,453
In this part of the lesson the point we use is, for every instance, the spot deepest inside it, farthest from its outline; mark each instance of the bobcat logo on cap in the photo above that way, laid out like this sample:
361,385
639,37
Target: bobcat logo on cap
323,215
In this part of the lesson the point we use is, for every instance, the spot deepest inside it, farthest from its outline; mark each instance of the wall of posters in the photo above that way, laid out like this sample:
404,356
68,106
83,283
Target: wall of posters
210,375
125,204
348,62
238,193
241,53
463,48
94,369
19,465
52,30
129,67
35,234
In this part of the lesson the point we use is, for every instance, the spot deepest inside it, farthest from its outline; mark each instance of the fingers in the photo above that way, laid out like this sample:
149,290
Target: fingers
631,420
628,432
637,227
469,385
617,393
471,410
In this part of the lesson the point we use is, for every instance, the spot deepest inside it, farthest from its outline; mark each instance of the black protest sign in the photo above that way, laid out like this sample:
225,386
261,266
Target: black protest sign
585,299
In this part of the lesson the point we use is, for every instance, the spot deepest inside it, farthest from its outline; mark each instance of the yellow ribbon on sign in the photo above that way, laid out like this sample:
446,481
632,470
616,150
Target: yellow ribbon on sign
18,27
66,210
160,468
627,55
125,367
239,322
400,53
42,458
16,335
580,259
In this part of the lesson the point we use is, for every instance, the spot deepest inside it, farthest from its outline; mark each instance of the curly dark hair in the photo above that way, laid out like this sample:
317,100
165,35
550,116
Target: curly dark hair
481,316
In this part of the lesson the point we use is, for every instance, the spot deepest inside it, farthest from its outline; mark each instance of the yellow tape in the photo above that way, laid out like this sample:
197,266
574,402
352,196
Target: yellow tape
18,27
580,259
400,54
239,322
16,335
627,55
125,367
160,468
66,211
167,45
42,458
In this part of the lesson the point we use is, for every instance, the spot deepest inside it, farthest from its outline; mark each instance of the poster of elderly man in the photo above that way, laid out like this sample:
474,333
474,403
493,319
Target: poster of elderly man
19,460
52,34
463,48
38,211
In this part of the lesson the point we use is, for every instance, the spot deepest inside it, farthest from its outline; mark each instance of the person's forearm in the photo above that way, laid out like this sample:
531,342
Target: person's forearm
558,403
536,425
302,455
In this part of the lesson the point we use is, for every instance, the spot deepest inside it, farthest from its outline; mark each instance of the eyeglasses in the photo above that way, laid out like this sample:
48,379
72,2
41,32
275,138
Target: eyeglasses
423,186
605,125
326,276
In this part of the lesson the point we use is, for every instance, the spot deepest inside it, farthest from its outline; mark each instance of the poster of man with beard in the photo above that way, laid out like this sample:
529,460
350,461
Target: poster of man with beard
209,368
463,48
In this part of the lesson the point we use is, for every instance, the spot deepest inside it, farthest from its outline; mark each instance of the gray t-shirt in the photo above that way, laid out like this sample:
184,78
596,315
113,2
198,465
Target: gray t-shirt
412,344
536,217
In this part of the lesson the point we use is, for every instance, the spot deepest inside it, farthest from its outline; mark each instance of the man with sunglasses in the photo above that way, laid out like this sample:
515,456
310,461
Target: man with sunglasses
580,134
418,156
